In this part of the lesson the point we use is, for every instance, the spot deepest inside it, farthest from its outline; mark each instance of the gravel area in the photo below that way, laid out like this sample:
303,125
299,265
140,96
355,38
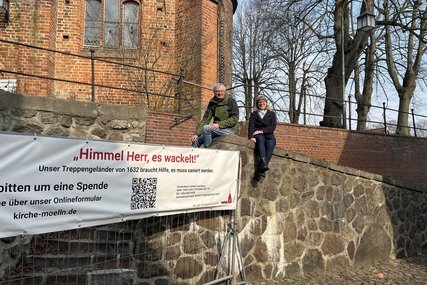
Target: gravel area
407,271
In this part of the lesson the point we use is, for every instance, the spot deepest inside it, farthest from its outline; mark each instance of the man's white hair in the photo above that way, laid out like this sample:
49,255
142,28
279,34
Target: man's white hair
218,86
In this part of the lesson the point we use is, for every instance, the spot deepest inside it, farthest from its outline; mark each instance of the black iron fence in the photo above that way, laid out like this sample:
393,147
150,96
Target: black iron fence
380,119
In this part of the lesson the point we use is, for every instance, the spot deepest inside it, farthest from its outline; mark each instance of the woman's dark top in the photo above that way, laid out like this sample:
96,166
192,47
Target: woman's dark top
267,124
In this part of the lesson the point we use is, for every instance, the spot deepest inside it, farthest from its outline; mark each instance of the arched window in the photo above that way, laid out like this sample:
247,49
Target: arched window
112,24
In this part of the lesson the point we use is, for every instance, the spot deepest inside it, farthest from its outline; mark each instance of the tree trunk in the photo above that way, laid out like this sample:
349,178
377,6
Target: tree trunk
248,97
403,117
333,111
364,99
292,93
301,97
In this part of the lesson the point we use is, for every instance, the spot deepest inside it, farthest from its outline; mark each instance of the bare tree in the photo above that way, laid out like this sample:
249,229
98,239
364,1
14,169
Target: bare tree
348,50
276,53
405,44
252,58
299,55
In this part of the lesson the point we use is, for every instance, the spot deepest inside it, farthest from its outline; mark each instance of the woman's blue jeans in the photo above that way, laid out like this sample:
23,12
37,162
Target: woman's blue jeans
265,147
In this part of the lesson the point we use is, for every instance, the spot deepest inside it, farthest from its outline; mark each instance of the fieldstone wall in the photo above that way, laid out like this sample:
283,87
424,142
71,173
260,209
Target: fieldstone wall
180,249
307,215
12,251
64,118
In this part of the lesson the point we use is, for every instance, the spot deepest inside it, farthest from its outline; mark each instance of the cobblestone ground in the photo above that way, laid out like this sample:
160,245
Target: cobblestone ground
408,271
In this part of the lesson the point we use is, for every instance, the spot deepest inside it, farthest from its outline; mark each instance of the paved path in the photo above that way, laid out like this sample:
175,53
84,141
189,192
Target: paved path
408,271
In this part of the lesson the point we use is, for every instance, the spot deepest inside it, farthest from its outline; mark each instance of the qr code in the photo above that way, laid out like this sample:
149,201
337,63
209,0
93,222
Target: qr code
144,192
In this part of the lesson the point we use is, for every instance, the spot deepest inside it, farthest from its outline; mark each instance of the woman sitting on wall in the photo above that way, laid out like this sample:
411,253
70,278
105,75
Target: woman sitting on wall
262,124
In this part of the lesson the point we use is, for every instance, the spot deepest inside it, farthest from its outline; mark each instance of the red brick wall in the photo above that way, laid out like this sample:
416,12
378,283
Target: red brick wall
199,20
156,51
160,129
29,23
401,158
173,35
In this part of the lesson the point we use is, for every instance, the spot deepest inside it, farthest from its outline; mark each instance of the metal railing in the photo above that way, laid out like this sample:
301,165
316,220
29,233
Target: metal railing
380,118
182,102
131,252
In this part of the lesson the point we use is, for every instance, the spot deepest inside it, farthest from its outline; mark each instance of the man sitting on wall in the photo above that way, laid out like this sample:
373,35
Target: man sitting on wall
221,117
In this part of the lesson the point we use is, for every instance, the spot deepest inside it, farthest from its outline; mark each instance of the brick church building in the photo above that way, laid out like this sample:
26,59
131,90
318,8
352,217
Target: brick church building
117,51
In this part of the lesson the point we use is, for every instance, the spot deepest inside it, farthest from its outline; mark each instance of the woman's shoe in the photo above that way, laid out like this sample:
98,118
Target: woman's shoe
264,164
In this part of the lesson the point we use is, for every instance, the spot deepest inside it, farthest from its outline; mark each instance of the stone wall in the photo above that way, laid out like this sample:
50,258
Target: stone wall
64,118
305,215
180,249
308,214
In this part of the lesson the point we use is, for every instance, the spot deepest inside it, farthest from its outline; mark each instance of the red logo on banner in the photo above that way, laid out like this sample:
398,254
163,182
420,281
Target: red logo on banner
228,201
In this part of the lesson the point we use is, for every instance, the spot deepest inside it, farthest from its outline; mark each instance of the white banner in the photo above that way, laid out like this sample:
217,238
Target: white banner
51,184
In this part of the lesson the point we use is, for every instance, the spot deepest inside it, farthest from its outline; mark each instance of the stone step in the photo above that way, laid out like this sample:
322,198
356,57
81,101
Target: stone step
101,255
112,233
118,230
86,261
64,278
117,276
65,246
80,233
27,279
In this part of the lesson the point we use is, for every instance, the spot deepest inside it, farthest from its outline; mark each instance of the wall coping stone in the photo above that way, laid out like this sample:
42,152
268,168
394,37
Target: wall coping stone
55,105
122,112
71,108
